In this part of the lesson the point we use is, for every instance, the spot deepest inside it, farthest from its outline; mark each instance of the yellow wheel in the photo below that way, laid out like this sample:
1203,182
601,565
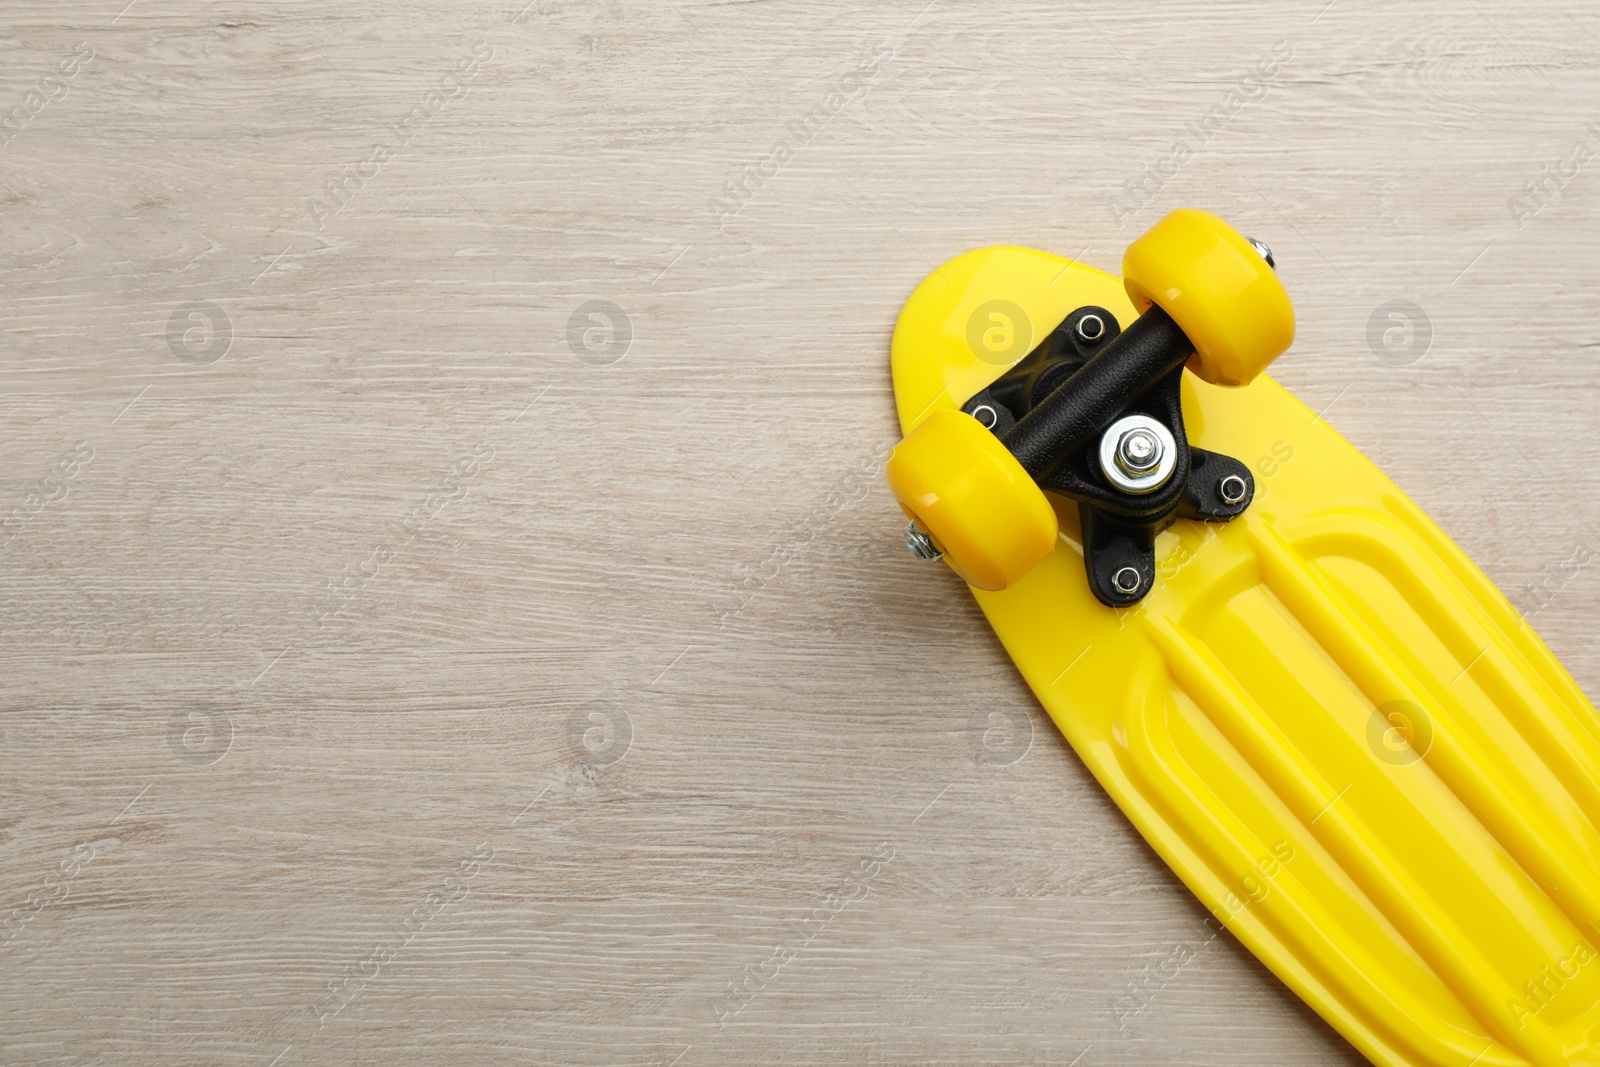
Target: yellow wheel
983,511
1217,288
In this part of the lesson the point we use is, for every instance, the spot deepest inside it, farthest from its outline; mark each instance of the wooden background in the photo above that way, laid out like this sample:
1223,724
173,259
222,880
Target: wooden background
393,674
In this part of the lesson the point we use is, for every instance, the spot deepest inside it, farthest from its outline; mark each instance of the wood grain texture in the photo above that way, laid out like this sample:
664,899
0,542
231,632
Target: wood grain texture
382,683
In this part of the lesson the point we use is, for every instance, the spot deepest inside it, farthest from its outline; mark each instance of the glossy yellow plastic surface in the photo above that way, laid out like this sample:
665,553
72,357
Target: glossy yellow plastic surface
1324,718
988,516
1218,289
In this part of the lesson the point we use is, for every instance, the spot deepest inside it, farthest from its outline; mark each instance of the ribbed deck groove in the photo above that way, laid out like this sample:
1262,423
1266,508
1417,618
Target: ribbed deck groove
1573,704
1554,730
1379,874
1469,772
1574,839
1347,971
1560,866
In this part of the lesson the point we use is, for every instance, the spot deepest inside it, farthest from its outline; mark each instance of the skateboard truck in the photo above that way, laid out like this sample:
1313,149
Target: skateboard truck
1094,414
1132,478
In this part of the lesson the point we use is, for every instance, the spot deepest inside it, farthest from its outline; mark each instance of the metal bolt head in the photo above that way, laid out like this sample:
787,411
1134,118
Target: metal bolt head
1138,451
920,544
1091,327
1126,580
1263,251
1138,454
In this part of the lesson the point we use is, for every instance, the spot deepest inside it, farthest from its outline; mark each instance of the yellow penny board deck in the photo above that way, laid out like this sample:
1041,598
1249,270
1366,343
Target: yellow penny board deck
1324,717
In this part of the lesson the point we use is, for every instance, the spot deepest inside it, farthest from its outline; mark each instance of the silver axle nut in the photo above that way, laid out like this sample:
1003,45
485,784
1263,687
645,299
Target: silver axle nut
1138,454
920,544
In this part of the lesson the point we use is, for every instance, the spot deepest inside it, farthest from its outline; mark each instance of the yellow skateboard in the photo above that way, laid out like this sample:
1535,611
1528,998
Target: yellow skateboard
1318,711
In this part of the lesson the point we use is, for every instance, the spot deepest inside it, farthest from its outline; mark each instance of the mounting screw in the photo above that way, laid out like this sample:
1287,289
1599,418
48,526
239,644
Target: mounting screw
920,544
1265,252
1232,489
1126,580
1091,327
